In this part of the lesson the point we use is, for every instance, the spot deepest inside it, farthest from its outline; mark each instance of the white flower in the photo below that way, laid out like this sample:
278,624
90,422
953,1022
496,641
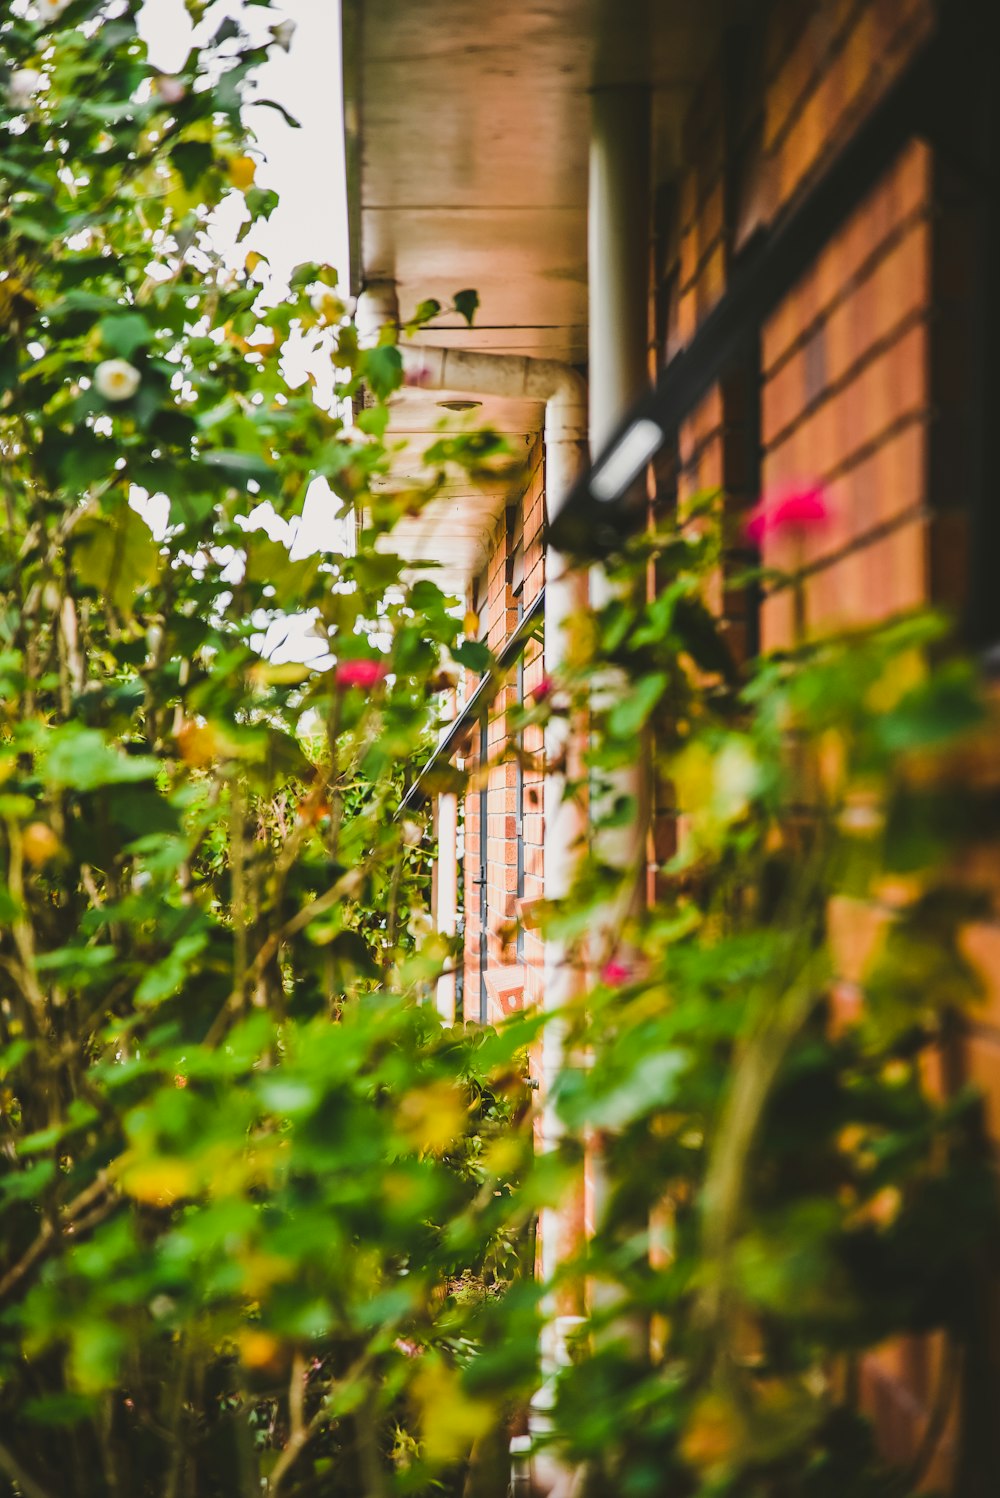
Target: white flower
420,924
862,817
737,778
22,87
116,379
283,33
171,90
412,832
50,10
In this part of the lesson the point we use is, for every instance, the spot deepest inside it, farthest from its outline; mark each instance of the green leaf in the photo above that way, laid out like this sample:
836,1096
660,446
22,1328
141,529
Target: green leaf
474,654
466,303
115,555
382,370
238,467
289,119
192,158
629,716
268,562
164,979
936,712
124,334
650,1084
25,1185
373,420
288,1096
81,759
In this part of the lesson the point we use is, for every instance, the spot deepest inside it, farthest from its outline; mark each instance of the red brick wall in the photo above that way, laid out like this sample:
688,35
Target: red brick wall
533,513
860,375
825,65
845,401
523,522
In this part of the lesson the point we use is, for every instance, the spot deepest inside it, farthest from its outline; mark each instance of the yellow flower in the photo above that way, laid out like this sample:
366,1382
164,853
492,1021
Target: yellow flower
449,1419
241,172
40,844
158,1183
432,1117
258,1349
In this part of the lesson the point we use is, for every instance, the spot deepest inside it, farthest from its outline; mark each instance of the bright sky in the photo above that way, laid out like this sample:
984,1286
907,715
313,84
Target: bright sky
306,168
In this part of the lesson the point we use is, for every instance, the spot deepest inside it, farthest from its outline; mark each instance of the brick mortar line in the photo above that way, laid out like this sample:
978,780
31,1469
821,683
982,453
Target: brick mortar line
745,130
852,119
686,226
980,1029
792,40
869,265
867,538
718,434
691,283
917,317
834,49
896,236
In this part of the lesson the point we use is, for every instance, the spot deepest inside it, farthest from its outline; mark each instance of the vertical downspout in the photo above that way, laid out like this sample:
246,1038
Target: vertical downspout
618,232
446,892
565,395
618,239
566,595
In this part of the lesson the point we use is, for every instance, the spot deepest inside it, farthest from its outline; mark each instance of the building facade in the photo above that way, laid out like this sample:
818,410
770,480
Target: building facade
775,227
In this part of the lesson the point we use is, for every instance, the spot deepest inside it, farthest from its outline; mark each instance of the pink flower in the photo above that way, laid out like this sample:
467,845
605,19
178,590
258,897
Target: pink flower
180,1081
544,689
614,974
795,510
361,673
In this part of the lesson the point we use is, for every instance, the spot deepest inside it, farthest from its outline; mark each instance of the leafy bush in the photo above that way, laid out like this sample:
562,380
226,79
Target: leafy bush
790,1174
245,1168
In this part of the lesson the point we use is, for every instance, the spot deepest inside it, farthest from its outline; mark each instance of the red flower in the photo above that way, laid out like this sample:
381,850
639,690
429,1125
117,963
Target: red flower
795,510
360,673
544,689
614,974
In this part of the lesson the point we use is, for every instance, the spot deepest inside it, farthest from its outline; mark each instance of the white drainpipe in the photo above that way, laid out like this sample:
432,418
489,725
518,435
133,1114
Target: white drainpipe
446,894
564,392
618,231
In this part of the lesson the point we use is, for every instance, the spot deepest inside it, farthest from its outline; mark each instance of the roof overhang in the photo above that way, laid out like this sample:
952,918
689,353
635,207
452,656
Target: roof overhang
467,141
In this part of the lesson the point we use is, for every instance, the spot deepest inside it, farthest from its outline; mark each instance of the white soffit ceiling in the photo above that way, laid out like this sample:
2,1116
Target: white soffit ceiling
452,533
467,131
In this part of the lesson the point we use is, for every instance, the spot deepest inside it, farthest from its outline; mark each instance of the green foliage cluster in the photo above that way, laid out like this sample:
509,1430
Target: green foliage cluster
262,1216
792,1173
247,1176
